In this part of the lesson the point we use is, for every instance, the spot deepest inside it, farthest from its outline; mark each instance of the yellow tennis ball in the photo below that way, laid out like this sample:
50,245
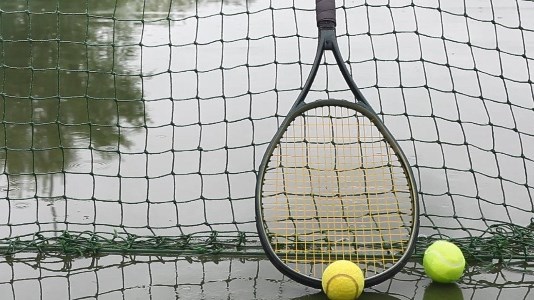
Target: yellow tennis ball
444,262
343,280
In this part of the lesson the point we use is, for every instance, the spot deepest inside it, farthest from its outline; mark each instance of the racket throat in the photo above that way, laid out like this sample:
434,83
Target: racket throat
327,37
328,42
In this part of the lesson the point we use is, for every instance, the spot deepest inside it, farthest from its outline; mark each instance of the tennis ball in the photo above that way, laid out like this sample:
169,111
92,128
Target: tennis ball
343,280
444,262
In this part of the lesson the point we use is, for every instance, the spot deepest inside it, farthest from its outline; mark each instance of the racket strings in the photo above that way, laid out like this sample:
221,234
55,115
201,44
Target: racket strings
335,189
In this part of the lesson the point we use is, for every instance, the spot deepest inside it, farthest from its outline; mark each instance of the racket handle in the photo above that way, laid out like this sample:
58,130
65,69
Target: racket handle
326,13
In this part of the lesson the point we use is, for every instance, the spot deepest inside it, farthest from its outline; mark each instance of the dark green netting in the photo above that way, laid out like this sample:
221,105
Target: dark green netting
138,126
502,244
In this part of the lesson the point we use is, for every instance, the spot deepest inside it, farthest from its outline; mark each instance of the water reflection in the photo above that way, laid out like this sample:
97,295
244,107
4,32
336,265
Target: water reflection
443,291
65,90
87,112
71,77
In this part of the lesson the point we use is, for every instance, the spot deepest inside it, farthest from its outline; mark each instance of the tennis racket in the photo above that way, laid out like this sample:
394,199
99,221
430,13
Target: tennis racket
334,184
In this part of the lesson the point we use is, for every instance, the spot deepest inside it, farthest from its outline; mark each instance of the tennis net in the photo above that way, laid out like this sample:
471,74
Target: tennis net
138,126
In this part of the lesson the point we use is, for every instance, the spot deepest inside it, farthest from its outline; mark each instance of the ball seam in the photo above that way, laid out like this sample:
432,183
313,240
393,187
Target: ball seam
343,275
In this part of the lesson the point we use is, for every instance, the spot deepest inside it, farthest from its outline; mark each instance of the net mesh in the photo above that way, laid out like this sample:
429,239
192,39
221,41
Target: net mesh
139,125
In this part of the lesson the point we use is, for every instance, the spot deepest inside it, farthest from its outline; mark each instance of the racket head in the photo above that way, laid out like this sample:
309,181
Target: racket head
334,184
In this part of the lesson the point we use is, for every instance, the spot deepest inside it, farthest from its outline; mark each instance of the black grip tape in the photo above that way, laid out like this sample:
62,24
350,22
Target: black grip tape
326,13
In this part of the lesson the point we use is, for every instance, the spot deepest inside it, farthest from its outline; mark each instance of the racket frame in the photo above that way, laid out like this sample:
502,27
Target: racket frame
327,41
364,110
